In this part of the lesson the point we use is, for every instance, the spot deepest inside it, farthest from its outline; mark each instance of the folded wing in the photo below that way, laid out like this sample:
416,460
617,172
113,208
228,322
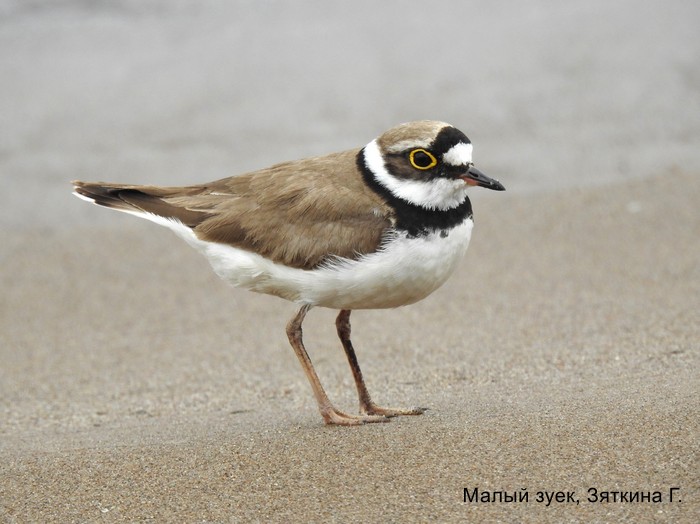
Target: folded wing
299,213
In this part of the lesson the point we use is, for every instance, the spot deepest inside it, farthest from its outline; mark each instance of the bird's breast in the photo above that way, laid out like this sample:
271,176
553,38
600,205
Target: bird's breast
405,270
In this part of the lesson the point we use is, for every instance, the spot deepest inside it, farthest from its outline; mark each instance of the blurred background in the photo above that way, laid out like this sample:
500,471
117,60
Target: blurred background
553,94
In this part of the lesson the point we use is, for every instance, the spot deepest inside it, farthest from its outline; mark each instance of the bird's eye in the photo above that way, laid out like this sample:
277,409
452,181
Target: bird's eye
422,159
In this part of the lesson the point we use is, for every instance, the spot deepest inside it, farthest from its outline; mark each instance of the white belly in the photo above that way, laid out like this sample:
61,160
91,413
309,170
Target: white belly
404,271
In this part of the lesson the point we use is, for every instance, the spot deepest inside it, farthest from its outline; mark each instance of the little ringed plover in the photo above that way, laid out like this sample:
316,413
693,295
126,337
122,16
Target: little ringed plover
376,227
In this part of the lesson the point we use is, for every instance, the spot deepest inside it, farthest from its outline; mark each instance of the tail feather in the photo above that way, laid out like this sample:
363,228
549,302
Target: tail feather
106,195
137,200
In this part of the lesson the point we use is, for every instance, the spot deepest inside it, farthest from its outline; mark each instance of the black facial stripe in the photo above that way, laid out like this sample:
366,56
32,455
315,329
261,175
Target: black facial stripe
415,220
446,138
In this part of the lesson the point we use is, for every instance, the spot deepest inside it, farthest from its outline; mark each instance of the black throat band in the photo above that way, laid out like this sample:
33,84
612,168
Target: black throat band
415,220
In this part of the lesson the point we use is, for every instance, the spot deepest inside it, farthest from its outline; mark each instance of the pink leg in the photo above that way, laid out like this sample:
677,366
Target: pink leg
329,413
367,407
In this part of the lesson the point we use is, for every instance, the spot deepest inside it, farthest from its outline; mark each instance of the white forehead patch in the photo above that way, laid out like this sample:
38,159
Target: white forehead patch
458,155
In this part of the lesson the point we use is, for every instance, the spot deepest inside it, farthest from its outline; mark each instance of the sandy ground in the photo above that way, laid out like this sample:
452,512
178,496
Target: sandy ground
562,356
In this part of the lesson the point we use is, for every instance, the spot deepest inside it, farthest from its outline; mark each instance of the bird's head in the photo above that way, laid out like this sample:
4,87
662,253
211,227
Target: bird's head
425,163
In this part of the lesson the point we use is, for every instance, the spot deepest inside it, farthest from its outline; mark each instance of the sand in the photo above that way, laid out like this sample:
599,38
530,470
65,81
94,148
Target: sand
561,356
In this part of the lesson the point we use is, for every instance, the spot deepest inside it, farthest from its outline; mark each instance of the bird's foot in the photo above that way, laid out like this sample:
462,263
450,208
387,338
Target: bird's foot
332,416
373,409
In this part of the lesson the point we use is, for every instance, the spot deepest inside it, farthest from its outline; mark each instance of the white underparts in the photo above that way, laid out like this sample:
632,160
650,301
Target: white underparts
439,193
404,271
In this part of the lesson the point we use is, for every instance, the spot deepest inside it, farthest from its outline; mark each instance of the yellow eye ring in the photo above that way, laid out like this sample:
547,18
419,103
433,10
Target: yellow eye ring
425,159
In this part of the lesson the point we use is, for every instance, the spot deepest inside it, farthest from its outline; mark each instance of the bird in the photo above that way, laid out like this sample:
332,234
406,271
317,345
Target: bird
379,226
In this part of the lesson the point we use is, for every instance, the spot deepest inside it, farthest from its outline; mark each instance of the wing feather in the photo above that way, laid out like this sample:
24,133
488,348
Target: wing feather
300,213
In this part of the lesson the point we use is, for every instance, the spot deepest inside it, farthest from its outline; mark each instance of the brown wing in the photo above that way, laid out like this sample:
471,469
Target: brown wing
297,213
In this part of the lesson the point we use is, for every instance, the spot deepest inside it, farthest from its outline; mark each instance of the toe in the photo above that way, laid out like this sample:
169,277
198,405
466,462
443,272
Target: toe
391,412
338,418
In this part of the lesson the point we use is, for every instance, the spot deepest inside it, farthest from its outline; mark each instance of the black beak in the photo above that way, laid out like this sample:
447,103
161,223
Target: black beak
474,177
